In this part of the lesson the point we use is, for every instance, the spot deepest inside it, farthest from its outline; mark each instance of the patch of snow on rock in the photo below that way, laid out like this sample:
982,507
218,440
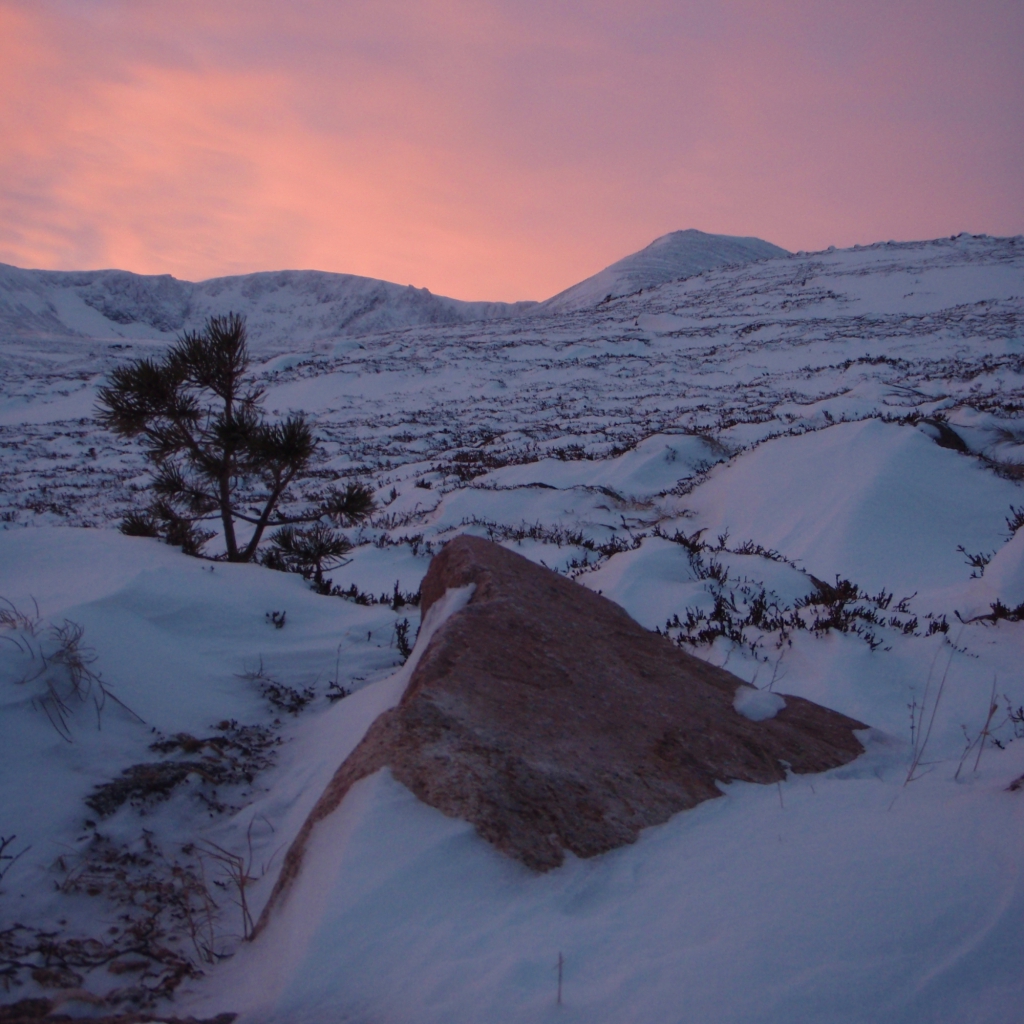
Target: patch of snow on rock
757,705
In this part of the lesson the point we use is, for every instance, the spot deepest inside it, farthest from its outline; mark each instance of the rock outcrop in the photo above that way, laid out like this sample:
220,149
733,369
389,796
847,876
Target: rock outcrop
546,716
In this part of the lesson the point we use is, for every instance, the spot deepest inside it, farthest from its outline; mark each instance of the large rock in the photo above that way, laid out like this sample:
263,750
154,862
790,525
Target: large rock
546,716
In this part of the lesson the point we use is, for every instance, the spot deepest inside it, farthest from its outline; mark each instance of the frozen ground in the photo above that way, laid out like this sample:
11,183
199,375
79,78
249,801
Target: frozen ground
713,454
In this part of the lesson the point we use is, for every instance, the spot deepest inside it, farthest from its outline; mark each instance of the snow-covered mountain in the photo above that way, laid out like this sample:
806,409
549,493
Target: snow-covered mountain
715,455
282,307
671,257
309,307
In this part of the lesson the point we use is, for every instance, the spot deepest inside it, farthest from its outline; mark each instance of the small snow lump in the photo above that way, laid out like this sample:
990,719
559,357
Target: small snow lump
757,705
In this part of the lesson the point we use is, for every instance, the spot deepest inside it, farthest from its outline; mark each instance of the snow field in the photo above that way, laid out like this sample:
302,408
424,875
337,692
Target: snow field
840,898
882,498
713,404
859,895
176,641
737,355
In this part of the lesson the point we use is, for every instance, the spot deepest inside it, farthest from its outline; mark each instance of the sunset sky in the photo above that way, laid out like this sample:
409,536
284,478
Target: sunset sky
496,150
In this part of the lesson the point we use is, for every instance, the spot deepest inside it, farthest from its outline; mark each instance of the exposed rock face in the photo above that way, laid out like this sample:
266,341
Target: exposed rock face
546,716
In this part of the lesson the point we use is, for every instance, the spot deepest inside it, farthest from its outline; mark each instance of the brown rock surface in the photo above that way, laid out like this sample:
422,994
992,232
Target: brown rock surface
550,719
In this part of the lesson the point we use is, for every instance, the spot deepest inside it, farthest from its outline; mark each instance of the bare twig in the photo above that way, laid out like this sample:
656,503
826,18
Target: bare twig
9,858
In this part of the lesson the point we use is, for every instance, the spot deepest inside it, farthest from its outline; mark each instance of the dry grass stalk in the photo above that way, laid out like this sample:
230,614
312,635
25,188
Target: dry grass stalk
982,737
239,871
58,664
921,740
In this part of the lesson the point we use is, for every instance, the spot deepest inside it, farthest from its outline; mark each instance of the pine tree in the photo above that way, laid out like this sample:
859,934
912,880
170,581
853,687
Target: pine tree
198,414
311,552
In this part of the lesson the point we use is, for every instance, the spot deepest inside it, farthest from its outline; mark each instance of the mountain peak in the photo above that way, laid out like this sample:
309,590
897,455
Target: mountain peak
668,258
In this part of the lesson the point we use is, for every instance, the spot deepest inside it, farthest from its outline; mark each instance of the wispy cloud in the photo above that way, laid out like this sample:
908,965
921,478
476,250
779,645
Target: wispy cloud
495,149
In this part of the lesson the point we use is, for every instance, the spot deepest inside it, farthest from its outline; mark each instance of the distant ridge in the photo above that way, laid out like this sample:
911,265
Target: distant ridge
280,305
312,306
668,258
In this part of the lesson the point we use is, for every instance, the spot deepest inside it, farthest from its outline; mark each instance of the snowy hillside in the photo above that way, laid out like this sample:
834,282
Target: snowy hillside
283,307
310,309
806,469
731,356
671,257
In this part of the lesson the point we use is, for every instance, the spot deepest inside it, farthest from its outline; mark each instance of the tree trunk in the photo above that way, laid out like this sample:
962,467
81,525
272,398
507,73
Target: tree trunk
230,543
261,525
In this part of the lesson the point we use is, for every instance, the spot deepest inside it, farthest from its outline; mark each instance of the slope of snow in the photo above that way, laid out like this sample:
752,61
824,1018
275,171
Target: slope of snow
157,621
879,497
671,257
788,403
656,464
819,906
851,896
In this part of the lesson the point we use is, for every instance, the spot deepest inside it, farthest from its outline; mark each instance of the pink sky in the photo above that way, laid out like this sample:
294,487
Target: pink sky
496,150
